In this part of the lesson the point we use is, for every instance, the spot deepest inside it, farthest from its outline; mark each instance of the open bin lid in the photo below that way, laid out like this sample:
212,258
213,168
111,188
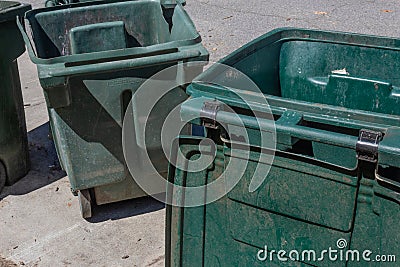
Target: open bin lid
9,10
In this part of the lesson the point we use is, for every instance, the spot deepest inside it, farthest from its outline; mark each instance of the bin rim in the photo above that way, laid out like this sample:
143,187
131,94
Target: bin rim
311,35
300,34
103,55
165,3
197,88
279,105
380,120
100,2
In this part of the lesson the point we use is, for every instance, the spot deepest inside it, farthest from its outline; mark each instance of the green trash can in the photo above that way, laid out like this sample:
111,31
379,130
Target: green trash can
91,58
14,154
334,183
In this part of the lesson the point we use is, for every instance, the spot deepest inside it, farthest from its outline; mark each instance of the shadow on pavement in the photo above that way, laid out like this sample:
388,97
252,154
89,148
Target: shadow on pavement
124,209
45,167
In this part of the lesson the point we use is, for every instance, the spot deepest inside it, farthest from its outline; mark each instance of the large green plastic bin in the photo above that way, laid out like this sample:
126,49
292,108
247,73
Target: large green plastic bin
14,154
91,58
335,178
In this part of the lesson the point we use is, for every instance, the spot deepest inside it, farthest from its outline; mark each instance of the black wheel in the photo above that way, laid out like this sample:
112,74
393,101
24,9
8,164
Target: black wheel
85,203
3,176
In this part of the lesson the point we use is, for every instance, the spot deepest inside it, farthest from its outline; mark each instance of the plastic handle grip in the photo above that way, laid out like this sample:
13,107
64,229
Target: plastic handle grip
389,181
294,130
126,64
28,44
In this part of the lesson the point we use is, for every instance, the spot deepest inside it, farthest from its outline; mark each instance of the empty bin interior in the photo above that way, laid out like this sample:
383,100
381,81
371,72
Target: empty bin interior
87,28
351,76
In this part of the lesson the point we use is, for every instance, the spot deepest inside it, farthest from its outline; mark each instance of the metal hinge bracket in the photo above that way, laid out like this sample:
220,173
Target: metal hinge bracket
367,145
209,112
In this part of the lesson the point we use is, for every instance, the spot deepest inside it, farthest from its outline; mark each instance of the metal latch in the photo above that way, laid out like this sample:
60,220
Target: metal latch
367,145
209,112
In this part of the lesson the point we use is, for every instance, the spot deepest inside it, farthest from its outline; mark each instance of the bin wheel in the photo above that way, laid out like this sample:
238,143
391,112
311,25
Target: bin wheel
85,203
3,176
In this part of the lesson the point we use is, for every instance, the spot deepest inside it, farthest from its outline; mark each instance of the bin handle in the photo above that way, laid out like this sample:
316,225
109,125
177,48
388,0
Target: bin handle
294,130
298,131
386,180
126,64
291,128
28,43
